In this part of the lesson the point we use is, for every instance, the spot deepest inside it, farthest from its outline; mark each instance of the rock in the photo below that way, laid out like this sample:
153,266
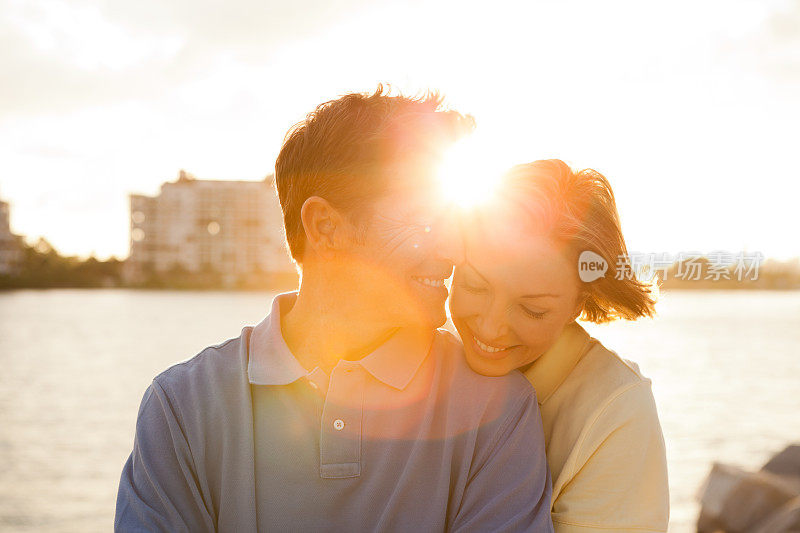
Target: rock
784,520
786,464
734,500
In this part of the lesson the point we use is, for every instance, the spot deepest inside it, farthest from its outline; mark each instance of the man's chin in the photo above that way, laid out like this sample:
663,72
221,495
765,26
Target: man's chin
437,314
427,317
430,321
439,321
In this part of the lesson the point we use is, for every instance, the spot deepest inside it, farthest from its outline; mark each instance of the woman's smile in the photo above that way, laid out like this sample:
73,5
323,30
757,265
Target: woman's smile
491,350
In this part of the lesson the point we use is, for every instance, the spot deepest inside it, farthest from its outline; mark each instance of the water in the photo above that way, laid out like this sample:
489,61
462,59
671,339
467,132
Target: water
74,364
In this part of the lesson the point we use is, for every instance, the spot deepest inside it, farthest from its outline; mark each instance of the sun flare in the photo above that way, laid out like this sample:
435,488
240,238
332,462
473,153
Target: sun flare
469,173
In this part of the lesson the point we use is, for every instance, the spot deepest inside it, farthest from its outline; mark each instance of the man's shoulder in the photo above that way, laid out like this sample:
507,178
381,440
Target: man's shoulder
484,392
485,410
216,367
204,403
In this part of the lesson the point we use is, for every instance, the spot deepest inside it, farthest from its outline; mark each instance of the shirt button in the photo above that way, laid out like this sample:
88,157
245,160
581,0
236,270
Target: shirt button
338,424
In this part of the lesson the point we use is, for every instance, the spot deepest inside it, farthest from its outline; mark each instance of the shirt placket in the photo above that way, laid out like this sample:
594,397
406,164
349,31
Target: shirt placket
340,431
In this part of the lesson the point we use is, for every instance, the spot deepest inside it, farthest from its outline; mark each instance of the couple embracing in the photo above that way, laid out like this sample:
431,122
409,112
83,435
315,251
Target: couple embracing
347,408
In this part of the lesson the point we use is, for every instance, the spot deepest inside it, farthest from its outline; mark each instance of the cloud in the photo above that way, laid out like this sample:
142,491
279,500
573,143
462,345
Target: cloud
772,49
59,55
781,42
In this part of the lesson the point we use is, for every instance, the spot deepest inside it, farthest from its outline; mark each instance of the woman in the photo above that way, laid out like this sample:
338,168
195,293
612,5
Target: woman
514,302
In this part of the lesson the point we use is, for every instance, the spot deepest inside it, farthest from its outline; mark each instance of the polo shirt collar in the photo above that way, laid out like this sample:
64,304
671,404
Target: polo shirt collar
551,369
395,362
270,361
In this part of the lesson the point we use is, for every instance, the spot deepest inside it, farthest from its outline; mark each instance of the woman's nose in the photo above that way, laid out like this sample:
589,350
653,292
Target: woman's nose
491,325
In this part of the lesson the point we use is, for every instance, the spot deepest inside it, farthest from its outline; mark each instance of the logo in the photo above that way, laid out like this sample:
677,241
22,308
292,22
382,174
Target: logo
591,266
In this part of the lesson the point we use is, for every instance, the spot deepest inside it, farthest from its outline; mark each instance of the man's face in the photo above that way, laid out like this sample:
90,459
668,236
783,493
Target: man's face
401,260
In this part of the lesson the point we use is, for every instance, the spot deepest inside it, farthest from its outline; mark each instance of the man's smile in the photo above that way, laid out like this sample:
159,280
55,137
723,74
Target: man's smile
430,282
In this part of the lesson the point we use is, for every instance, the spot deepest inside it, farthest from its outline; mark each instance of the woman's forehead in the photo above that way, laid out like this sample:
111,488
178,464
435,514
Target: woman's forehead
512,254
498,230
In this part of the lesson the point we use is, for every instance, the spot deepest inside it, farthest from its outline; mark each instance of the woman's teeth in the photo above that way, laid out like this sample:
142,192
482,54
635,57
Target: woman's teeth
486,347
430,282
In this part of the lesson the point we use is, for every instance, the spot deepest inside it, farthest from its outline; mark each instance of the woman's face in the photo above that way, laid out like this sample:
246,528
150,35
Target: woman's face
511,297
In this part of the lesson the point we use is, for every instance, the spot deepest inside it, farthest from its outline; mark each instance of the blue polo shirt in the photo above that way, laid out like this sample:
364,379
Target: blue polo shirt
406,439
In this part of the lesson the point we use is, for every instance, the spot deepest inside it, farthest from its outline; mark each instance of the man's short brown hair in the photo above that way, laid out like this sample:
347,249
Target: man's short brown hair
345,151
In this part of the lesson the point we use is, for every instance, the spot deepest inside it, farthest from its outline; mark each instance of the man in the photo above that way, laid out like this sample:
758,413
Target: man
345,409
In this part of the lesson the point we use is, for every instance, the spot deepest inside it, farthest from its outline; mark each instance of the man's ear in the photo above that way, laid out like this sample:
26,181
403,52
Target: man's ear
323,225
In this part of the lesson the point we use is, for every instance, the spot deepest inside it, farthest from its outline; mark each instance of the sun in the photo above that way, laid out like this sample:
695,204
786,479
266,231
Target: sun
469,173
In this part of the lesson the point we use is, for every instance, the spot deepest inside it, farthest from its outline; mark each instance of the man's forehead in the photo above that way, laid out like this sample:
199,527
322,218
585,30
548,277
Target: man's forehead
414,195
412,182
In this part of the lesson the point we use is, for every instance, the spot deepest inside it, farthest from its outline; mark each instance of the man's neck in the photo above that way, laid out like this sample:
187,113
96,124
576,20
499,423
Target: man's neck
323,327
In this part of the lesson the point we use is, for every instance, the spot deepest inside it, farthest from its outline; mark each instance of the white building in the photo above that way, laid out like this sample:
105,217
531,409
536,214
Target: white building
10,244
232,227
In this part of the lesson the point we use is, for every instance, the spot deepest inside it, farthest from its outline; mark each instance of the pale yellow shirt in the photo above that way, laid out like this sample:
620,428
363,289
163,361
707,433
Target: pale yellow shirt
605,447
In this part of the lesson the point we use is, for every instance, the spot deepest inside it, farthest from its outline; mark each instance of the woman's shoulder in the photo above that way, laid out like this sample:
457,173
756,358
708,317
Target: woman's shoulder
603,394
608,428
603,385
607,370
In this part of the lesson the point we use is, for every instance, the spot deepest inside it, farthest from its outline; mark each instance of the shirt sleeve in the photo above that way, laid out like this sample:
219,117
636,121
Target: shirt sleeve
620,471
510,489
158,489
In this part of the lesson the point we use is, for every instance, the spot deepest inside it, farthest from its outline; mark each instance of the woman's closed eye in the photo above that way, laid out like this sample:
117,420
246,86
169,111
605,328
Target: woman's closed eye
533,314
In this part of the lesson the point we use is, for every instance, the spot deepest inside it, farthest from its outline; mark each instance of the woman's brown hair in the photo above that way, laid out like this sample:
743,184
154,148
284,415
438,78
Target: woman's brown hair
578,210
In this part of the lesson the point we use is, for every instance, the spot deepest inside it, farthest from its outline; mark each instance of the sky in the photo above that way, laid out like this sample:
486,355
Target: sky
689,108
